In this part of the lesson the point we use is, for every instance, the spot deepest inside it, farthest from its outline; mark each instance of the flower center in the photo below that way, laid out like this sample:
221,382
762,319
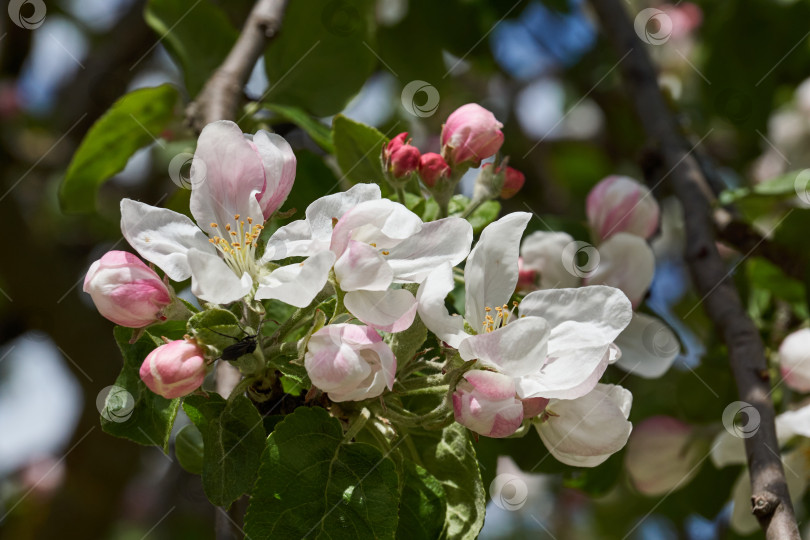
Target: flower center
238,244
502,317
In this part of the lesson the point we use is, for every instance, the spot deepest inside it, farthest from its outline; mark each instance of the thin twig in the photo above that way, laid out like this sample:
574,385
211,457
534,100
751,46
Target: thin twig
219,98
770,501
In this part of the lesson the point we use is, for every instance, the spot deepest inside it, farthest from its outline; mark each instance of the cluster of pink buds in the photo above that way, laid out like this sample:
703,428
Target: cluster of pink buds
470,135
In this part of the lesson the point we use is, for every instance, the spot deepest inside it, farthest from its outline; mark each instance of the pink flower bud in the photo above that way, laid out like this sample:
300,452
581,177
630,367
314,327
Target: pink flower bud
662,455
621,204
470,134
794,360
527,278
485,402
512,183
399,157
175,369
432,167
126,291
534,406
350,362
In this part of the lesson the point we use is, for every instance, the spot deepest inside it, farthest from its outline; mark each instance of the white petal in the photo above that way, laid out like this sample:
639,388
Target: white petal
542,252
588,430
584,317
320,213
432,310
648,347
626,262
162,236
391,311
213,281
292,240
226,177
278,161
517,349
566,375
362,267
297,284
383,223
445,240
791,423
727,450
491,272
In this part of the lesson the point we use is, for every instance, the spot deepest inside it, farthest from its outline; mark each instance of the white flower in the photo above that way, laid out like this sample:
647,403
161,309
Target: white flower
556,348
794,360
377,245
560,343
584,432
234,181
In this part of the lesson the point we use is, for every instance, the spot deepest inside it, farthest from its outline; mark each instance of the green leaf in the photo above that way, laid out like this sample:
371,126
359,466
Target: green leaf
449,456
313,179
189,447
233,439
215,328
422,508
319,132
152,415
134,121
321,57
358,148
484,215
790,184
197,36
312,482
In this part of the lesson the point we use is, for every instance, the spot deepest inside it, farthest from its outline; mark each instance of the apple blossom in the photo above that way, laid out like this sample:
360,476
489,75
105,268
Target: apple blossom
663,454
621,204
649,347
126,291
626,262
432,168
794,360
376,244
231,191
542,252
470,134
585,431
485,403
400,158
175,369
350,362
558,346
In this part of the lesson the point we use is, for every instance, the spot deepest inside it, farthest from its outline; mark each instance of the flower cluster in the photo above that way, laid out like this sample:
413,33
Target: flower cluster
622,216
379,271
470,135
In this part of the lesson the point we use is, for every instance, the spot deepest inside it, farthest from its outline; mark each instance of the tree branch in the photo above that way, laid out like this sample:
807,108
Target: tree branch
219,98
770,501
